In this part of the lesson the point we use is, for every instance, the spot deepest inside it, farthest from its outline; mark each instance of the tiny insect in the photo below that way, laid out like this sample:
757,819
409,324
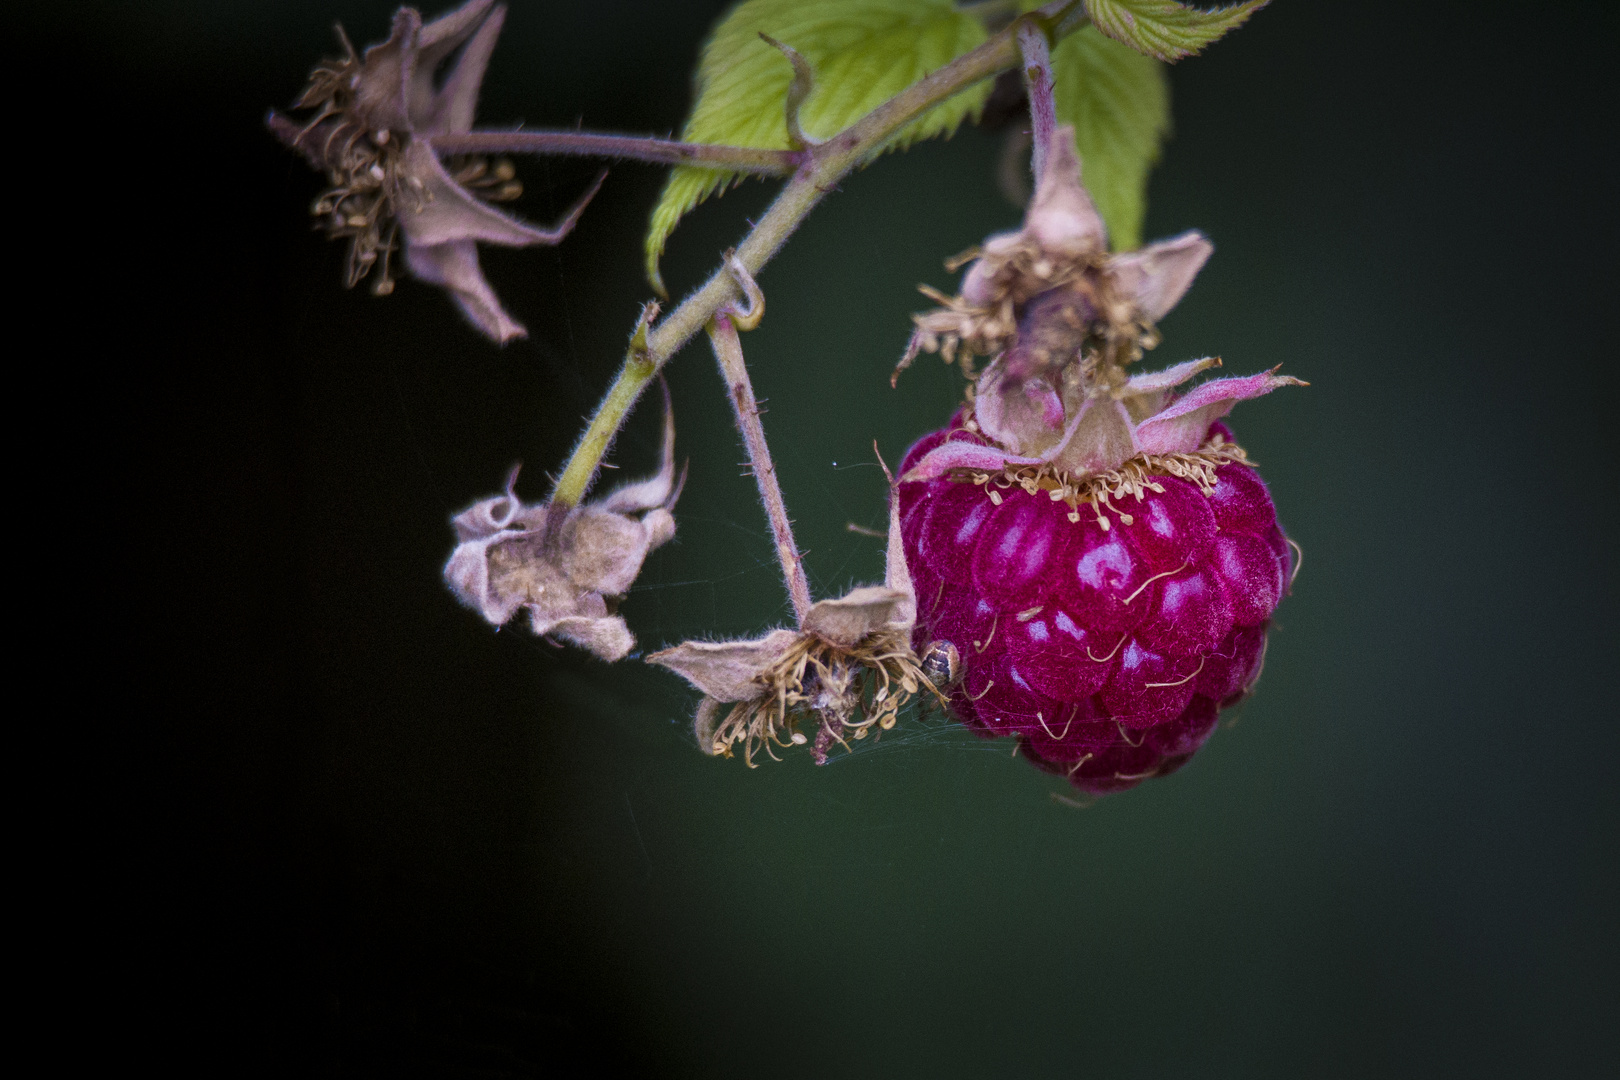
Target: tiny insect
942,664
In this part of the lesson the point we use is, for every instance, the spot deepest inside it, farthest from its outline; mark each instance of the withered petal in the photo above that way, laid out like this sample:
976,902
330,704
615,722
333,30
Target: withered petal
451,107
504,512
454,266
1159,275
437,210
1182,426
656,490
1025,413
705,723
467,574
608,636
382,91
1152,382
845,621
725,670
965,455
604,550
1100,438
896,571
441,36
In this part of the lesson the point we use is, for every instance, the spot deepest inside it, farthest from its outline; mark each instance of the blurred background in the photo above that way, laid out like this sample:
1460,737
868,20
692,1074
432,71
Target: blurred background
375,837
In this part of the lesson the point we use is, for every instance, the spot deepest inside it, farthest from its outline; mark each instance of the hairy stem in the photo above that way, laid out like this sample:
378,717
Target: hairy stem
825,165
588,144
728,352
1037,55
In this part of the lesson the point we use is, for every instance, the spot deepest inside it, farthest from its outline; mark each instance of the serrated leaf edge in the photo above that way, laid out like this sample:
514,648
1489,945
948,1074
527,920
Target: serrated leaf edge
1137,28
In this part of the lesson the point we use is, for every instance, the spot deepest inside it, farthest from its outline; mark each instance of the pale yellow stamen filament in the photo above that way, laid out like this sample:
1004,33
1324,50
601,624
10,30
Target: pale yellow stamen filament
985,644
1179,682
1110,656
1067,724
1151,580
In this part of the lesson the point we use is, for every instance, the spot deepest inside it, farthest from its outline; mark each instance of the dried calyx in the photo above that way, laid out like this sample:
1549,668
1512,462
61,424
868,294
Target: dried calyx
567,567
1064,318
845,672
375,115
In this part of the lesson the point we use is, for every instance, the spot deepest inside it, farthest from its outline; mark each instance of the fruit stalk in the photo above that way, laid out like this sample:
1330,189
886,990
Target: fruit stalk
740,390
590,144
1037,54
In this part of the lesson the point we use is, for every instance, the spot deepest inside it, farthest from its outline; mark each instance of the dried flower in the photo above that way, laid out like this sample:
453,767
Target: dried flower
1042,291
1064,318
568,568
847,670
372,136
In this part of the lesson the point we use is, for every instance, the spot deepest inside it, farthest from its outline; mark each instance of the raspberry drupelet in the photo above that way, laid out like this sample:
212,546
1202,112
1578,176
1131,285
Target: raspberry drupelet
1093,551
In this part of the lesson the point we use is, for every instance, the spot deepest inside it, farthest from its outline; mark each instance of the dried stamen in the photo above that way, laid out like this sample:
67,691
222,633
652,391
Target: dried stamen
846,692
1135,478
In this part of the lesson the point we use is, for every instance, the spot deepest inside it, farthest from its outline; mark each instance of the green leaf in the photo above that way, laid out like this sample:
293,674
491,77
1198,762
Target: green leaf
1119,103
863,52
1164,29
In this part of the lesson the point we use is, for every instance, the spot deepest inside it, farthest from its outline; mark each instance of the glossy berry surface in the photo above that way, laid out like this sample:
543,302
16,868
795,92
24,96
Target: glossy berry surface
1107,650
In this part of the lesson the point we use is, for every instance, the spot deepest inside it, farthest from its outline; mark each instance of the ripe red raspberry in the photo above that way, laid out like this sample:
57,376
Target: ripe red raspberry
1107,650
1088,543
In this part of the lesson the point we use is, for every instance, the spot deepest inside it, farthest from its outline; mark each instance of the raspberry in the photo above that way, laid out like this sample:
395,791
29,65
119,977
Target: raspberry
1089,547
1106,649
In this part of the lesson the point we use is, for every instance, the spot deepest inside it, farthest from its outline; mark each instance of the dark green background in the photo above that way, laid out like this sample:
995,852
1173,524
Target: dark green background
380,839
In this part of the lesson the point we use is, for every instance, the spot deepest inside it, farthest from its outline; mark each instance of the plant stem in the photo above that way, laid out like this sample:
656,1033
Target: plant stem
589,144
825,165
728,352
1037,55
